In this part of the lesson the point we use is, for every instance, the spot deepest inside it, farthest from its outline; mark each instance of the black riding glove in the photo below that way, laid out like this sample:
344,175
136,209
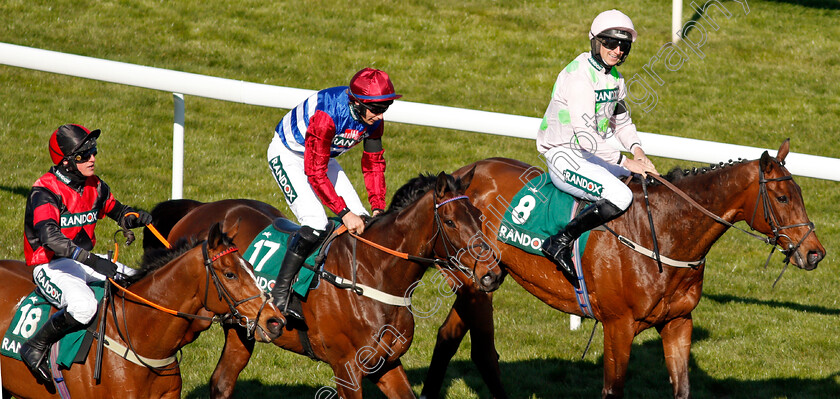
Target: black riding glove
132,221
101,265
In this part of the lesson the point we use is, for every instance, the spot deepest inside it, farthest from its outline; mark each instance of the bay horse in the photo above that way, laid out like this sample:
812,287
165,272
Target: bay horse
357,336
210,277
627,292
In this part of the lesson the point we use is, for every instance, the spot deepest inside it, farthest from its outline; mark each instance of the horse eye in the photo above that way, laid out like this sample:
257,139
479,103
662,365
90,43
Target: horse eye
230,275
782,198
450,223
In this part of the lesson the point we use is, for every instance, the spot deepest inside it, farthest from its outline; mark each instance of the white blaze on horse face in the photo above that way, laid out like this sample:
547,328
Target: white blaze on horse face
248,270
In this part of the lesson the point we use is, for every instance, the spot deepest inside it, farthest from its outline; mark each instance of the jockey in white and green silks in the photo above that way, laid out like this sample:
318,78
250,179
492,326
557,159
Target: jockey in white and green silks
587,108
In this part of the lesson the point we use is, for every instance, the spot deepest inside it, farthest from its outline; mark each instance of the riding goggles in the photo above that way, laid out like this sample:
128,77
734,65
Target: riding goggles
84,156
611,43
377,108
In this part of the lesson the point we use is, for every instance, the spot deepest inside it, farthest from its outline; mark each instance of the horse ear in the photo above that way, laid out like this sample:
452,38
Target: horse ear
467,179
233,230
441,185
214,236
783,150
766,162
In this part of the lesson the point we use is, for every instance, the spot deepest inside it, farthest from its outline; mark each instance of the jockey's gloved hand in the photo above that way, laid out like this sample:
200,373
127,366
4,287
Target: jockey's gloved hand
132,221
102,266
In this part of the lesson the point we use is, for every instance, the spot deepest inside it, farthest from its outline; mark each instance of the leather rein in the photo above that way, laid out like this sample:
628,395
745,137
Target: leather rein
770,218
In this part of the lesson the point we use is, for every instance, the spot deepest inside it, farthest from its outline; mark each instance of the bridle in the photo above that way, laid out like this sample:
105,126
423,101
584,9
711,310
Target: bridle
452,256
772,219
222,292
450,260
770,216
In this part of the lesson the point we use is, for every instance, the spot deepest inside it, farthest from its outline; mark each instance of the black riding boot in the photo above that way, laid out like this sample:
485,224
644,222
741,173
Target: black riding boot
558,248
301,245
35,350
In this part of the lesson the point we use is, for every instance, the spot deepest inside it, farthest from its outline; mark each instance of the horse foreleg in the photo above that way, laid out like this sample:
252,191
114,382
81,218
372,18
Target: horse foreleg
235,356
473,312
393,382
449,337
618,340
348,378
482,334
676,340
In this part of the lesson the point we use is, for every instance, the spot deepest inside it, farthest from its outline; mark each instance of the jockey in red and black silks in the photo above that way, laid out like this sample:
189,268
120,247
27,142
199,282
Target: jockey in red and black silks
302,159
62,213
62,209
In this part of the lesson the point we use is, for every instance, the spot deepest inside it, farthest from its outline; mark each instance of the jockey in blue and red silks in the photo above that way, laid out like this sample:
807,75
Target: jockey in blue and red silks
302,160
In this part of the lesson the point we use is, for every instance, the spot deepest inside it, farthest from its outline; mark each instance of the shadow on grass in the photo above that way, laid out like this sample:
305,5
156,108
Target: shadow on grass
647,377
721,10
773,304
824,4
256,389
562,378
16,190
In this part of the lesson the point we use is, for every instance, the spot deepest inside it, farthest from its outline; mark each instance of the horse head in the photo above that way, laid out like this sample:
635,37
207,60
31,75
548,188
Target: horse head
235,291
459,227
779,212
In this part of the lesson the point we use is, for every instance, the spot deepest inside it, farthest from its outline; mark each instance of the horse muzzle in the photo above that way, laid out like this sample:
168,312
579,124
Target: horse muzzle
272,330
808,262
490,281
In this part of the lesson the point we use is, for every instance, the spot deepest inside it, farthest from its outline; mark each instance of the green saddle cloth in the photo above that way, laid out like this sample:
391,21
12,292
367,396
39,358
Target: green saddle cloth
266,254
31,315
537,211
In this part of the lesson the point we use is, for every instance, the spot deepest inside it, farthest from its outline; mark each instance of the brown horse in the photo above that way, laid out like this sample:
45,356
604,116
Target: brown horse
628,293
209,277
358,336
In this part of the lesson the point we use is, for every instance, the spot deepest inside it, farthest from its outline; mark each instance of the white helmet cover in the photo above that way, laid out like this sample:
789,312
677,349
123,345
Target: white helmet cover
612,19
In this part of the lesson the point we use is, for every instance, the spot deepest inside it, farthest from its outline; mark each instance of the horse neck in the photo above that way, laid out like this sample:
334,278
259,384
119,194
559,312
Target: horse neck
410,230
724,192
174,286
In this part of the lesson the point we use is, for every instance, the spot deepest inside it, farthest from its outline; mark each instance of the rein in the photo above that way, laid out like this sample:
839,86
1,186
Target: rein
770,217
380,296
406,256
130,353
705,211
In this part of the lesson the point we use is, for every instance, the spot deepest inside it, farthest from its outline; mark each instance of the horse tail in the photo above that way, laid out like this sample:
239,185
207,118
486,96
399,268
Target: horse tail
164,217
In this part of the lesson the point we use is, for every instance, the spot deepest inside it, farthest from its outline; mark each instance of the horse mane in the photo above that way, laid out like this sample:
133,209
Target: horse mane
155,258
416,188
678,173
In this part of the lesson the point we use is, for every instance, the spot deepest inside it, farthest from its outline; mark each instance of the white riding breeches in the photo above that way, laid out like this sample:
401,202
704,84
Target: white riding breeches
64,282
585,176
301,198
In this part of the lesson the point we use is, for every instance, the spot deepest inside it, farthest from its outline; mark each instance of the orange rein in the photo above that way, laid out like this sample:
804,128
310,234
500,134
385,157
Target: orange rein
398,254
343,228
148,302
145,301
401,255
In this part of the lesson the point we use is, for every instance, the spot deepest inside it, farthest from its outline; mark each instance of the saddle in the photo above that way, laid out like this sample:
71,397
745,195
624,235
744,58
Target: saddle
536,212
32,314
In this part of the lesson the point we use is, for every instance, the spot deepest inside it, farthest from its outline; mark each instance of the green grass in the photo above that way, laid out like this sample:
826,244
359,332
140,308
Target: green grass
765,76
